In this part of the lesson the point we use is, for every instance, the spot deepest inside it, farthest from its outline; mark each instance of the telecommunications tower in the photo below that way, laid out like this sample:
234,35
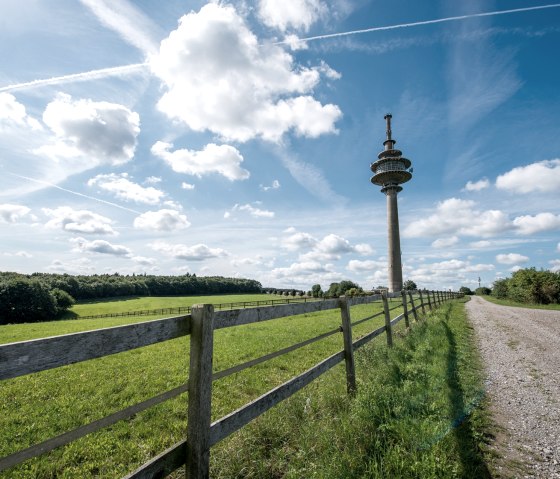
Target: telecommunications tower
389,172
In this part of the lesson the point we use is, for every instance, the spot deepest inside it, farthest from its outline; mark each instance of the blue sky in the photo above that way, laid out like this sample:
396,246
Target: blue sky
211,138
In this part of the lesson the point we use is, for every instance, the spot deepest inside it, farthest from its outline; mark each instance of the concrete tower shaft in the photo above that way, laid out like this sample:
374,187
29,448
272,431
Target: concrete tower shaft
389,172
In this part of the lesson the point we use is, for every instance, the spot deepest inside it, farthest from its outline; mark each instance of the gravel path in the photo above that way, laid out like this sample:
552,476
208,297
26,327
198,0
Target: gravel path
521,351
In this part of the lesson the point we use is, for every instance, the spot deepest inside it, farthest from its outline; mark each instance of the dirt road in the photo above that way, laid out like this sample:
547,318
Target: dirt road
521,351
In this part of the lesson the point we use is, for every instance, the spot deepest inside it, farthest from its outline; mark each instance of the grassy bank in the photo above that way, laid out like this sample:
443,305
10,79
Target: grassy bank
509,302
418,414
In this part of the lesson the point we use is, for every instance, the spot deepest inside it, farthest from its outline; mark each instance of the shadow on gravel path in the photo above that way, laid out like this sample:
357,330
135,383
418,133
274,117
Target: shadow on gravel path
470,454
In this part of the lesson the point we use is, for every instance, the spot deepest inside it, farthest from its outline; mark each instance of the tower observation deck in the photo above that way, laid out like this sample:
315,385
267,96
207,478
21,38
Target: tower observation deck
390,171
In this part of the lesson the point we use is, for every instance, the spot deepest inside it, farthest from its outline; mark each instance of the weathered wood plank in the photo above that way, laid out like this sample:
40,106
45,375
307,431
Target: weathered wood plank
237,317
239,418
387,321
163,464
355,300
348,348
25,357
413,307
200,391
368,337
397,319
405,309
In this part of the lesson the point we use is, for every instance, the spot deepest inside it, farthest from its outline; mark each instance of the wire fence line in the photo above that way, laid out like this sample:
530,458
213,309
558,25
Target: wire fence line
219,306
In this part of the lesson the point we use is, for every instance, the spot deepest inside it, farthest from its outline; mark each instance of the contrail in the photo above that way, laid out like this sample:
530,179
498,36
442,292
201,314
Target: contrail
84,76
42,182
416,24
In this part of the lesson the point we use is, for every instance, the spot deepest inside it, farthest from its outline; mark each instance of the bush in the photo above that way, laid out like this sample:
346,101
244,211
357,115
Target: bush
466,290
339,289
500,288
63,300
483,291
26,301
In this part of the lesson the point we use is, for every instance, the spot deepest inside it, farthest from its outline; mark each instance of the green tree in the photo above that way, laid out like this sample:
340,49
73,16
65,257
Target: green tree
500,288
483,291
339,289
409,285
316,291
466,290
26,301
63,300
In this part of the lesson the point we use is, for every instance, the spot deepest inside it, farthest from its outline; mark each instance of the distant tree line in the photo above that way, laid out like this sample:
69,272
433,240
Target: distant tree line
44,296
481,291
285,291
529,286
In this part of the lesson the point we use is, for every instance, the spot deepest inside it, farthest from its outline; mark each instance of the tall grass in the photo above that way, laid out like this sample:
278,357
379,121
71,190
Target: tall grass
418,414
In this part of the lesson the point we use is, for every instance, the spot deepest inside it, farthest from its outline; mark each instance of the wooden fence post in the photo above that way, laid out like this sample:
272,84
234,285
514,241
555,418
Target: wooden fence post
388,330
434,297
429,300
422,302
413,307
405,309
200,392
348,347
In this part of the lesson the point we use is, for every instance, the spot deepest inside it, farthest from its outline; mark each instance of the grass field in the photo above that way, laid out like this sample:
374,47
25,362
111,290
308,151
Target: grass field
21,332
399,425
508,302
39,406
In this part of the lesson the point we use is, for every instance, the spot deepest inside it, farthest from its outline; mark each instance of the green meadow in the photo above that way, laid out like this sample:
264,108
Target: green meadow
73,324
295,439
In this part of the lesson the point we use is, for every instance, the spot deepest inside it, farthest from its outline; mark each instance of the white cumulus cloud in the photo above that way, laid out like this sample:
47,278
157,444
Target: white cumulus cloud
222,159
459,217
10,213
198,252
254,211
368,265
220,79
445,242
161,220
78,221
121,187
511,258
296,14
100,246
528,224
477,185
13,113
274,186
91,133
543,176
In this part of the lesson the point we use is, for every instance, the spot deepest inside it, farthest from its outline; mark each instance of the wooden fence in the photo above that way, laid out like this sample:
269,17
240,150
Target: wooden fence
187,309
26,357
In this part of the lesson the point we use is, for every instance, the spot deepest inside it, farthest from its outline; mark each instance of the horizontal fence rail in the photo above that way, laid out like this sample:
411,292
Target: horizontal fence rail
26,357
187,309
